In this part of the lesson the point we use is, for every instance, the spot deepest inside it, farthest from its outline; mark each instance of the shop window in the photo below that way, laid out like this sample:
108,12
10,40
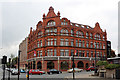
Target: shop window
64,65
80,64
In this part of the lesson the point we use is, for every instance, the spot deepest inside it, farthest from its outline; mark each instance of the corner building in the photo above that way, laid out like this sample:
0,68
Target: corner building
55,39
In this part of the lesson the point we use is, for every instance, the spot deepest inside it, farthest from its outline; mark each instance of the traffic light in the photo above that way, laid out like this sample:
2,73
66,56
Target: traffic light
4,60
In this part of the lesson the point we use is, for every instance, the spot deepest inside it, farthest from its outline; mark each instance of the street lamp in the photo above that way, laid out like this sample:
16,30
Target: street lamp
9,69
18,63
4,61
27,65
95,58
73,66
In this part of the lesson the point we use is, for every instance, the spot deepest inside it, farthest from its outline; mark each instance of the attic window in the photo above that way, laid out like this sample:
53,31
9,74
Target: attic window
64,23
87,27
51,23
77,25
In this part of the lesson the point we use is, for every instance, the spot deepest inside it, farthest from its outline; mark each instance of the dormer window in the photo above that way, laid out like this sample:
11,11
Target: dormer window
51,23
64,23
103,38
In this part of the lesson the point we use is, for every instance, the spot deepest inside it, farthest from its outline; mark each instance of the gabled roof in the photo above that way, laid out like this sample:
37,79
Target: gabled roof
51,12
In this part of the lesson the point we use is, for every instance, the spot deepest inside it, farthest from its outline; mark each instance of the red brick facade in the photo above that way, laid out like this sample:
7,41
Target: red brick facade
54,41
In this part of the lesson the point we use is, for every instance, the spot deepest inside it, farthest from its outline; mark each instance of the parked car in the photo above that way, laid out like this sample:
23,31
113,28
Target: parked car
54,71
91,68
36,71
75,69
41,71
22,70
11,69
14,72
6,68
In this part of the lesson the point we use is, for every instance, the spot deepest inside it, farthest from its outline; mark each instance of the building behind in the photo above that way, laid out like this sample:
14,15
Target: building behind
23,53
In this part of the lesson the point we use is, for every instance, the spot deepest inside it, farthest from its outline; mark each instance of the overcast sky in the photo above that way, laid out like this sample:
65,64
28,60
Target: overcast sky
17,16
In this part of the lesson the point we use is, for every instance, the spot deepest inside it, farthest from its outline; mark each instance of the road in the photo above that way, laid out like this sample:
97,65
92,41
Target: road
1,71
64,76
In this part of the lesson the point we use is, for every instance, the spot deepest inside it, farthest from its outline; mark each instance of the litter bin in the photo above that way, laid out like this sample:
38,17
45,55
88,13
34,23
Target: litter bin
117,74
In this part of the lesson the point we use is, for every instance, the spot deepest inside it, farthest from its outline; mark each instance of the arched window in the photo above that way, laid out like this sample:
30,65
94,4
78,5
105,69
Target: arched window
64,65
80,34
40,34
80,64
39,65
51,31
64,32
51,23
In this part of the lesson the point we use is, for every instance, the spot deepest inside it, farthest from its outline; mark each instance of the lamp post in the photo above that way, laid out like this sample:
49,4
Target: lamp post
95,59
18,63
4,61
73,66
27,65
9,69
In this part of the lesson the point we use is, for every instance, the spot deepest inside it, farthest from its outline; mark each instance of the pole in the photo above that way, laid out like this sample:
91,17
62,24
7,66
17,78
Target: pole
18,63
28,71
9,69
95,60
3,71
28,74
73,68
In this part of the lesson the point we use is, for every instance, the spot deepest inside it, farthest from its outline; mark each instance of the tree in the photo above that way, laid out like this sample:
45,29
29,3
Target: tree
112,66
101,63
12,56
14,61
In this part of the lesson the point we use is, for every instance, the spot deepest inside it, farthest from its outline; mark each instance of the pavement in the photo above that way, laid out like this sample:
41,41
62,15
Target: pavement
89,75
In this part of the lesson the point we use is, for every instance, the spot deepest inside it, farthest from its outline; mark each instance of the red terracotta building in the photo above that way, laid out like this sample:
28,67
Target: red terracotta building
55,39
